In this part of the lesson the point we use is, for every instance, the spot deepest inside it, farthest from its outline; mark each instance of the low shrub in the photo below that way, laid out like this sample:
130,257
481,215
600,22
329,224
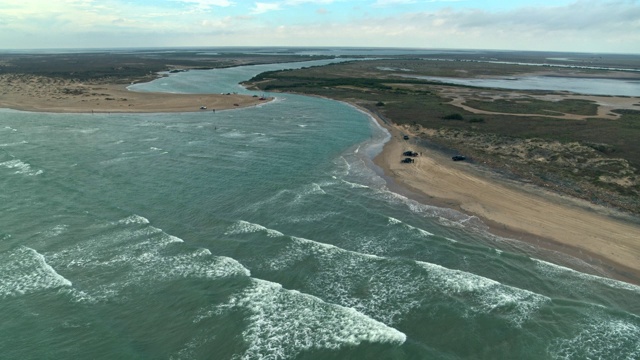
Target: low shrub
455,116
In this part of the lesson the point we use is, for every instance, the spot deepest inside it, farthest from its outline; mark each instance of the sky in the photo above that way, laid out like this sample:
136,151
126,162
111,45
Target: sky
593,26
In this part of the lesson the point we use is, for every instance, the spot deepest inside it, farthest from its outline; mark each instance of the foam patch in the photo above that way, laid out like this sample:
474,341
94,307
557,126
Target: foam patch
24,271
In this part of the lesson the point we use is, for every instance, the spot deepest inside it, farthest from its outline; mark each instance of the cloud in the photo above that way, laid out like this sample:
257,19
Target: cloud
261,8
383,3
205,4
581,16
583,25
386,3
315,2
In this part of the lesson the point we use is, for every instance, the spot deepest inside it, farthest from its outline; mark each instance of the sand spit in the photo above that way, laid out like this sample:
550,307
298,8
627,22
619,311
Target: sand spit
44,94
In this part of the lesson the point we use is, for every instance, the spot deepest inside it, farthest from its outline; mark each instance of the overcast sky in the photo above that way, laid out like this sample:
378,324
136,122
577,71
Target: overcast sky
583,25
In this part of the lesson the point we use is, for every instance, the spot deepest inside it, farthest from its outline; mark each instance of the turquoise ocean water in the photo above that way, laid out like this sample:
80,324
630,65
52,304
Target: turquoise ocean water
264,233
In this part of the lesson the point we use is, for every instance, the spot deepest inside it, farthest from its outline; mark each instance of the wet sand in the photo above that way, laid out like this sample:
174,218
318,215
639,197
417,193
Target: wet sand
43,94
597,235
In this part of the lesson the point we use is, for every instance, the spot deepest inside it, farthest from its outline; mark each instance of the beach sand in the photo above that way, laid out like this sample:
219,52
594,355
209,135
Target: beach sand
597,235
44,94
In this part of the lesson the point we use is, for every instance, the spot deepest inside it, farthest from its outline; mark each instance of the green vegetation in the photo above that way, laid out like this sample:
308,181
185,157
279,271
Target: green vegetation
596,159
535,106
454,116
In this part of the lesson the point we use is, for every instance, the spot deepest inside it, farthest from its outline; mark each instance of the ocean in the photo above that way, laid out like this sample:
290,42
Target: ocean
265,233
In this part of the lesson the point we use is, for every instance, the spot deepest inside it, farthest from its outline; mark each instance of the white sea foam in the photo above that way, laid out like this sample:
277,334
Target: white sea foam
188,351
78,296
85,131
134,219
245,227
554,270
14,144
295,196
234,134
130,253
56,231
394,221
310,189
600,339
284,323
240,155
310,217
486,295
20,167
342,167
201,264
368,283
388,289
117,160
425,232
355,185
24,271
447,217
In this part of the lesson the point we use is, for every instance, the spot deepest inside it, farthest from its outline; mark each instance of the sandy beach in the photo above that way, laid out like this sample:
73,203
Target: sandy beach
43,94
597,235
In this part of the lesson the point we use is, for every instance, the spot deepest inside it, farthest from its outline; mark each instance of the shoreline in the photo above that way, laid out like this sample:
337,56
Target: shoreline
608,245
508,208
43,94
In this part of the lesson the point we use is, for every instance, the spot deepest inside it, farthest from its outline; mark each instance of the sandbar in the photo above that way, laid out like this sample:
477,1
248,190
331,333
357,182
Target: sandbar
514,209
44,94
